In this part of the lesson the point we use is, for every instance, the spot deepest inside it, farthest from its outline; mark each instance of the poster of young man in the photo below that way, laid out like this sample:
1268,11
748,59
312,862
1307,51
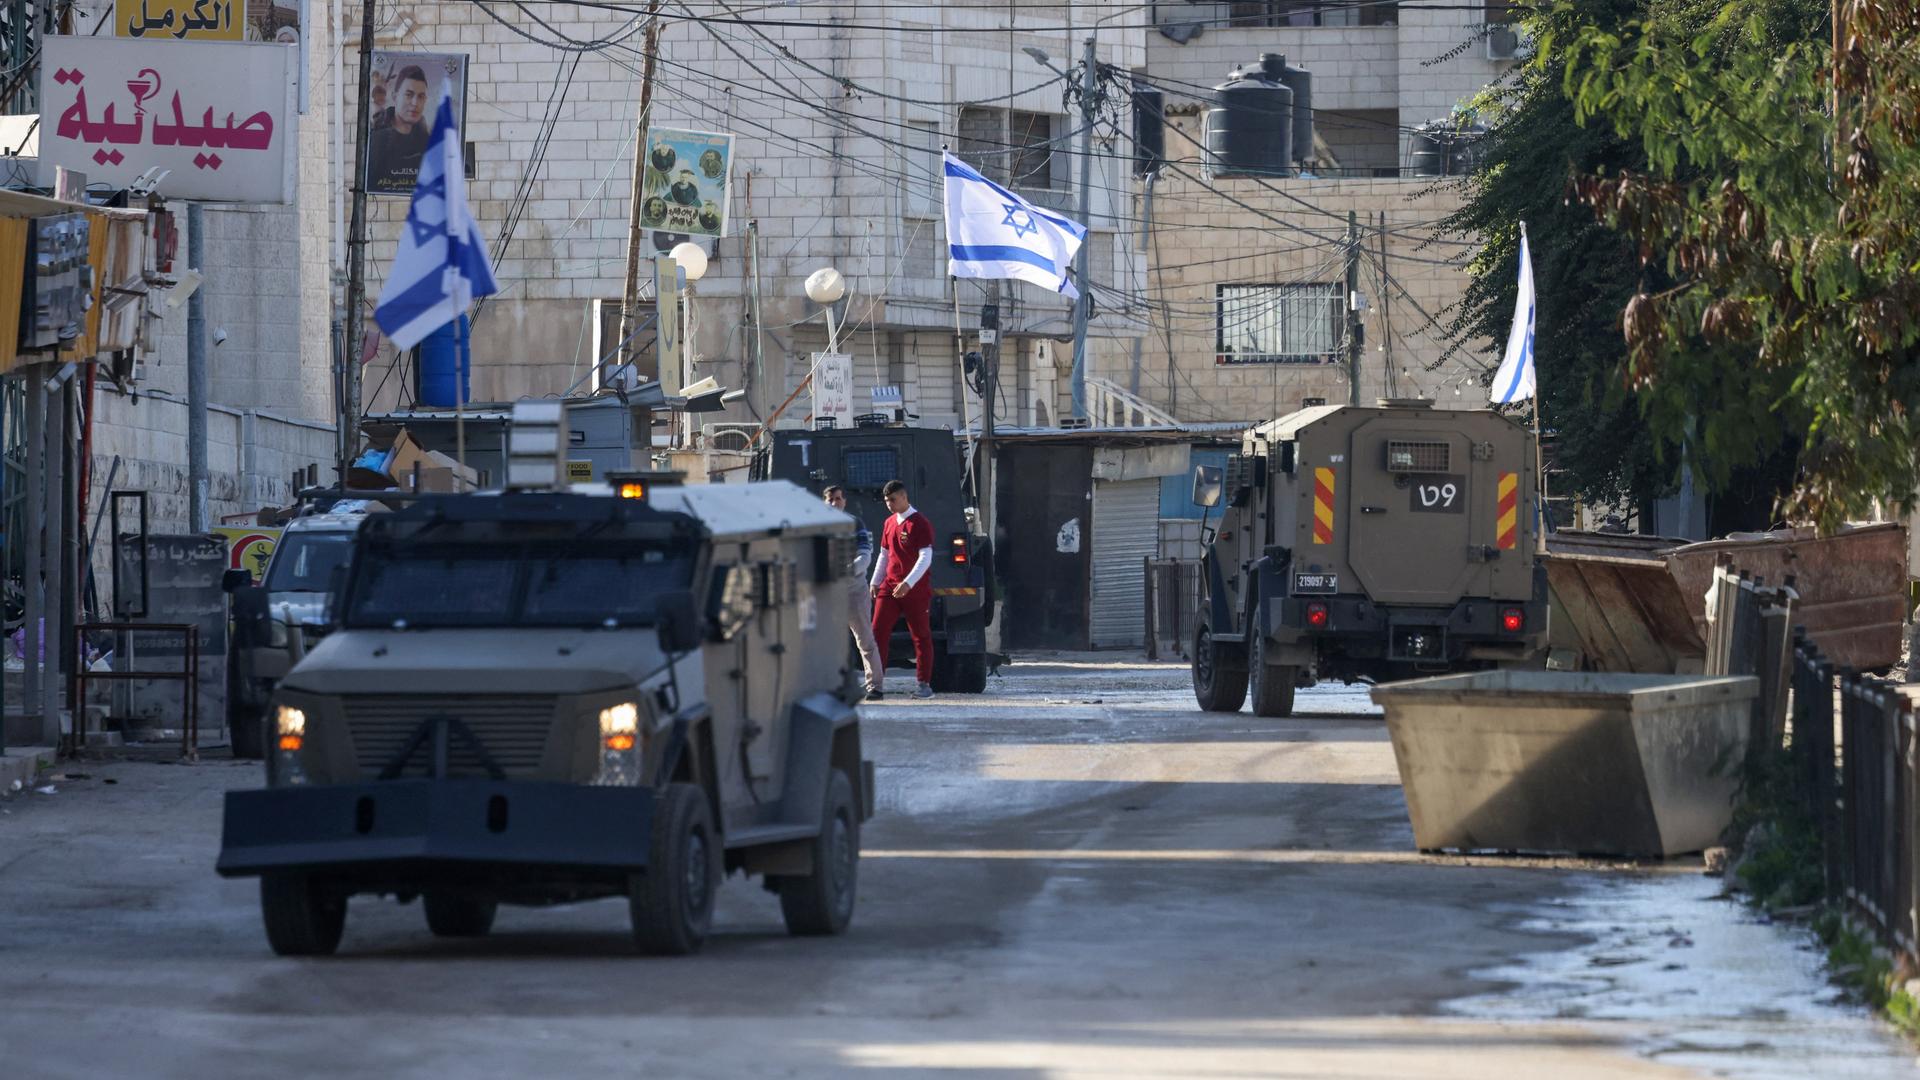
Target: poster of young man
405,88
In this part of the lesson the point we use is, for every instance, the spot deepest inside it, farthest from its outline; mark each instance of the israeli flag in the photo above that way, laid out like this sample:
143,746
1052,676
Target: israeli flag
993,233
1514,381
442,263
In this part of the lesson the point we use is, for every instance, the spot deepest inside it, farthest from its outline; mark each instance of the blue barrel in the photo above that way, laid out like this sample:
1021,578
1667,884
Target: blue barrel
446,363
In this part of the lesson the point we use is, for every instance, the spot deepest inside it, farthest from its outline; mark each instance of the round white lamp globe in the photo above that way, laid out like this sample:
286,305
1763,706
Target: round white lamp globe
692,258
826,286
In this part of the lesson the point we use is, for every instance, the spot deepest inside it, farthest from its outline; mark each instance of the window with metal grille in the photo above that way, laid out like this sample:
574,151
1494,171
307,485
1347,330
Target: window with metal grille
872,466
1311,13
1280,324
1415,456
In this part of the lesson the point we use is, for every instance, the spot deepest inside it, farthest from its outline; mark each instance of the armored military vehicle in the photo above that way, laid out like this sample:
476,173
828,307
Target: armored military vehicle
1367,544
293,596
543,696
928,460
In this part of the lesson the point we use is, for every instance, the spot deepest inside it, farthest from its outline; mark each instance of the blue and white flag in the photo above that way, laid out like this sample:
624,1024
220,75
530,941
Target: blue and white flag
442,263
1514,381
993,233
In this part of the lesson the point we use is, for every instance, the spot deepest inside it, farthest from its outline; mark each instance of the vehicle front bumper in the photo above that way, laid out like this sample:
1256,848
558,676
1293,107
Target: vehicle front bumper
449,823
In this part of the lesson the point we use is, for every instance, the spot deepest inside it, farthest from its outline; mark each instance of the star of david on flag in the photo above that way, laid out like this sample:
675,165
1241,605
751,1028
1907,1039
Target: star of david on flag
442,263
993,233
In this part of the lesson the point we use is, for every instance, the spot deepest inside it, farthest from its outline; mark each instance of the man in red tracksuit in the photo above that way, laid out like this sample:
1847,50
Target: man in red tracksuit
901,586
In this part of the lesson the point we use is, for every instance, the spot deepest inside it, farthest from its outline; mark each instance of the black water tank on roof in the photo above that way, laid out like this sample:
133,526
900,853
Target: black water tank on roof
1249,129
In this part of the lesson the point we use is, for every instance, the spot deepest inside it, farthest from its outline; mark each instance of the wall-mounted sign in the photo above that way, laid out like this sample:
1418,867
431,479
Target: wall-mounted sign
181,20
832,390
405,91
688,180
249,548
216,116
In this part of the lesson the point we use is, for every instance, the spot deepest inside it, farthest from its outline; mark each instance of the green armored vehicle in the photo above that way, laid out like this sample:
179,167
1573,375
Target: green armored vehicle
544,696
1368,544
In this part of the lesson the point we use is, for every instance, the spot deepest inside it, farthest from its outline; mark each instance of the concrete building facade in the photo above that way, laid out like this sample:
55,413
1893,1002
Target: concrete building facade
840,112
1247,277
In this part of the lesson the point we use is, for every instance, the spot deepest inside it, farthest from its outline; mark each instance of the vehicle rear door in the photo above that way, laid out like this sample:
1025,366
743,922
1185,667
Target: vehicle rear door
1412,521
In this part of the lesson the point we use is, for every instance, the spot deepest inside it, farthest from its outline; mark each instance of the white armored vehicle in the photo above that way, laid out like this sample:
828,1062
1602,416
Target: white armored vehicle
543,696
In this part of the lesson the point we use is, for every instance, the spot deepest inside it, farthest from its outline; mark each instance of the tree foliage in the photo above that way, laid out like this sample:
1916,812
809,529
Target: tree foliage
1791,268
1584,270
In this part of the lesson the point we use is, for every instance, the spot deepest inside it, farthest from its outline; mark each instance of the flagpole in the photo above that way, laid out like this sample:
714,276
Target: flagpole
348,437
1539,446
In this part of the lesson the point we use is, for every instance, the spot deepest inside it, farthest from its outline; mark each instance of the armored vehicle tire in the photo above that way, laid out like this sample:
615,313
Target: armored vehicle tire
822,902
304,917
672,902
459,916
246,731
964,674
1218,684
1271,686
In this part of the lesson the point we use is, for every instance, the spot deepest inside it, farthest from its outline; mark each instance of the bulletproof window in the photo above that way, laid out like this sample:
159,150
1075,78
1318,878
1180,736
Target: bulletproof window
871,466
1417,456
1299,323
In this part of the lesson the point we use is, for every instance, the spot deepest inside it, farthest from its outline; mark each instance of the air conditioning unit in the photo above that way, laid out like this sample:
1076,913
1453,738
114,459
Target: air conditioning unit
734,435
1507,43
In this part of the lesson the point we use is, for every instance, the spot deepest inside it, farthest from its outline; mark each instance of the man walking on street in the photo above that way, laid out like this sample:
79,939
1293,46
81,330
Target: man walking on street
859,599
900,584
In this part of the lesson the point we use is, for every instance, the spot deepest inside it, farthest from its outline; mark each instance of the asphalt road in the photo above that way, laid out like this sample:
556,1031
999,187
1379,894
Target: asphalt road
1076,875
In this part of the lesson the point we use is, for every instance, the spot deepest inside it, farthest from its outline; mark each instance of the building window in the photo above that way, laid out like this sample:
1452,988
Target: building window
1013,148
920,195
1296,323
1311,13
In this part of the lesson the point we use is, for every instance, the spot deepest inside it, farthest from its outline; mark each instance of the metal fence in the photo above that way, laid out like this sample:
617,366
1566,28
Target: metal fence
1173,606
1853,747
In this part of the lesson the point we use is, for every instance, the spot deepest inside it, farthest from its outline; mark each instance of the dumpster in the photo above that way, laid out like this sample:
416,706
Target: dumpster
1569,762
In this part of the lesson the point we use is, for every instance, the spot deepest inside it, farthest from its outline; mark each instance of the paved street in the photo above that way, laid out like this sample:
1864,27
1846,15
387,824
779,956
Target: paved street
1076,875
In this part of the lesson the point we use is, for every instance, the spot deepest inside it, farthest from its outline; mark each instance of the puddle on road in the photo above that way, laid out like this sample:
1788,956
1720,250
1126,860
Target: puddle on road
1701,982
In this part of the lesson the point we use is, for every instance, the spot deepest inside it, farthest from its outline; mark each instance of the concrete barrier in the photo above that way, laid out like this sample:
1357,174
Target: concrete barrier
1565,762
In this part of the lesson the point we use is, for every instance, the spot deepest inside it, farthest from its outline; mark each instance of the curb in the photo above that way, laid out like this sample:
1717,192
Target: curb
22,764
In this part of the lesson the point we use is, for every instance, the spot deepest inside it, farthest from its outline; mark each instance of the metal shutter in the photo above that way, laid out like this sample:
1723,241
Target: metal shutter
1126,530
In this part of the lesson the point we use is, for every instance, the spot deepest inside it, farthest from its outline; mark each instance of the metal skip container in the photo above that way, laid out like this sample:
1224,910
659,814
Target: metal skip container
1565,762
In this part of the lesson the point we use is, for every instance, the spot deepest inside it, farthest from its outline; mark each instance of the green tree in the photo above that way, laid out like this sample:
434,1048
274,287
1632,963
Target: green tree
1792,274
1614,442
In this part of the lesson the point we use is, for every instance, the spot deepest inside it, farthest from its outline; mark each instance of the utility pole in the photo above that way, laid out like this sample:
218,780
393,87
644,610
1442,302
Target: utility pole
1356,333
1386,324
989,388
1146,237
348,440
630,295
197,481
1082,308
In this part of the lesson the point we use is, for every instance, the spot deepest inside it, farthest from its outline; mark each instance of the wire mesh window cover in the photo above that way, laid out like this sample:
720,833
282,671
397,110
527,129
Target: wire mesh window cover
1417,456
1279,324
1311,13
872,466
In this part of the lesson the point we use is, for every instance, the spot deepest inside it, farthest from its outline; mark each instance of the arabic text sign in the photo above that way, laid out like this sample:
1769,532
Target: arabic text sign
193,20
688,173
218,115
833,389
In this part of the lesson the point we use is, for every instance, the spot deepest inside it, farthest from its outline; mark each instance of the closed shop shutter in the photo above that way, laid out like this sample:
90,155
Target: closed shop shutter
1126,530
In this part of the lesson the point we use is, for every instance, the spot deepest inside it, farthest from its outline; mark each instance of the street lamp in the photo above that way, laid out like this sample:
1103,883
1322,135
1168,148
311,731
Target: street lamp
825,287
692,259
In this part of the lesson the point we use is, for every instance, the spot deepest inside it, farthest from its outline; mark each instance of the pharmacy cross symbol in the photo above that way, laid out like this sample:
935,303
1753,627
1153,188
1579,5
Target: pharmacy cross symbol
1023,226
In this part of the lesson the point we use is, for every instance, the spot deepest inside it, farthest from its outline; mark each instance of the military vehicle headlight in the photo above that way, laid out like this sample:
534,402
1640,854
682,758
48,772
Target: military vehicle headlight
289,735
620,726
290,727
619,745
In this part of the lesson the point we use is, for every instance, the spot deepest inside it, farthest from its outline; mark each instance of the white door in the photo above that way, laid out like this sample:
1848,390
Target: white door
1126,532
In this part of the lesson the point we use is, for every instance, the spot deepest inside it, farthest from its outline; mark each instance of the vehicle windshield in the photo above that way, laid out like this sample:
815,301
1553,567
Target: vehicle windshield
305,562
417,586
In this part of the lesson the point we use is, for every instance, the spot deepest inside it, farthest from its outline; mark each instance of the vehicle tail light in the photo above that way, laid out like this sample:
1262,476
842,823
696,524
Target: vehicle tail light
1513,620
959,549
1317,616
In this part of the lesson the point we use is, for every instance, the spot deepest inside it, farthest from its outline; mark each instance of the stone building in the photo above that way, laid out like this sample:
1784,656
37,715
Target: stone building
1247,277
840,111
